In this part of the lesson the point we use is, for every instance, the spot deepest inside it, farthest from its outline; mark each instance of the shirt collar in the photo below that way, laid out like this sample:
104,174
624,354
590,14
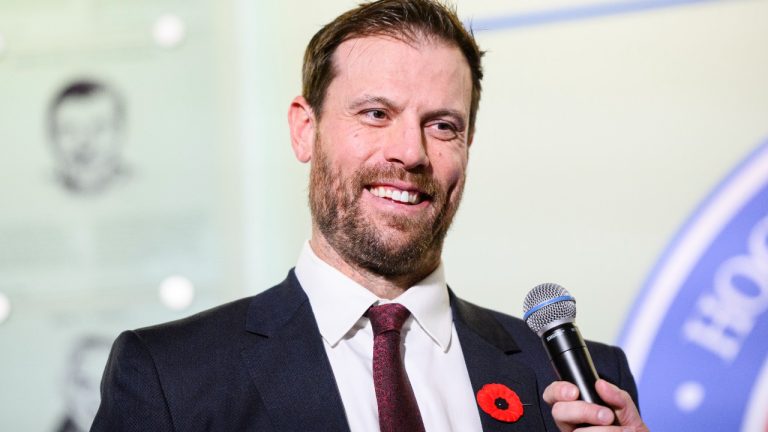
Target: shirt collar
338,302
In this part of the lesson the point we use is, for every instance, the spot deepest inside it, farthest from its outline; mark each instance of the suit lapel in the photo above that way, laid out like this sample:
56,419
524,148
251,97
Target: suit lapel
490,354
287,361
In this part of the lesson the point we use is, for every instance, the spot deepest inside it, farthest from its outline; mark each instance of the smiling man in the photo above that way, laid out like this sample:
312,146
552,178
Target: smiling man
389,157
364,334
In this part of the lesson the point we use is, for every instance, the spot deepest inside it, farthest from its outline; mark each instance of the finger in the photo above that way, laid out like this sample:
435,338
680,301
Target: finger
622,403
560,391
580,412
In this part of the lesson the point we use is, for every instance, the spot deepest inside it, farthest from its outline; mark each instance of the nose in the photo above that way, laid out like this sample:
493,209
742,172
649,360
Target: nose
407,147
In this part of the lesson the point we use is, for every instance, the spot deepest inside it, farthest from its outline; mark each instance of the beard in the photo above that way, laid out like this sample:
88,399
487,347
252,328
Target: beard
410,245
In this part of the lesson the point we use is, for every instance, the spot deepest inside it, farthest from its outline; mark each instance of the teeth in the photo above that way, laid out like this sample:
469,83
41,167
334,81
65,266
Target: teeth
396,195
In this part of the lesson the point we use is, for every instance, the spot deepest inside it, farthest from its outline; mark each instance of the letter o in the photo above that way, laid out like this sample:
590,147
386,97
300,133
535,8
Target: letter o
746,267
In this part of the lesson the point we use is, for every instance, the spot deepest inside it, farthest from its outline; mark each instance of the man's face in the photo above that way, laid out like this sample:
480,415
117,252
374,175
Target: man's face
86,131
390,153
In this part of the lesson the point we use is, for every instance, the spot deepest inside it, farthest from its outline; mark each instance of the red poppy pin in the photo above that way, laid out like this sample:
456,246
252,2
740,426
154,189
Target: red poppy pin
500,402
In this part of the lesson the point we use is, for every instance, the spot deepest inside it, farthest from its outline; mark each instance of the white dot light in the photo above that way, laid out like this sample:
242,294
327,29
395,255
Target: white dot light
168,31
176,292
5,308
689,396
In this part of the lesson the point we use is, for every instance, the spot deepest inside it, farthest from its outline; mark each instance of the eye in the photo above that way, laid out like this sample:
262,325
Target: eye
445,126
443,130
376,114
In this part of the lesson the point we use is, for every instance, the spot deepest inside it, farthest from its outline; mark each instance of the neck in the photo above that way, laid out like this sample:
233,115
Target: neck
385,287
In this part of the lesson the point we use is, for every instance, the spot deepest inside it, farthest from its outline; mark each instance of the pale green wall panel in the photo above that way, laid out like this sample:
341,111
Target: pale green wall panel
76,264
596,138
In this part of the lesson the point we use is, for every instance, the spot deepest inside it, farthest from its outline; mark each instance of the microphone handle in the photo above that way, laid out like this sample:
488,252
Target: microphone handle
568,353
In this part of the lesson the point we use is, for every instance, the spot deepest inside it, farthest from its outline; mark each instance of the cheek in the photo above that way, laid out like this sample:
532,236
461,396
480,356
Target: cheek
349,151
341,161
449,166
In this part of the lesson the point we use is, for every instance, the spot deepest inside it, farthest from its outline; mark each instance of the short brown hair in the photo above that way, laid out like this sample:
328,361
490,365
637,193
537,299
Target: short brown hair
406,20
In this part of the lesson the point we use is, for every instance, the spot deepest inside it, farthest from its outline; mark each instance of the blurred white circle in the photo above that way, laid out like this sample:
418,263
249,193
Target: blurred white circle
5,308
176,292
169,31
689,396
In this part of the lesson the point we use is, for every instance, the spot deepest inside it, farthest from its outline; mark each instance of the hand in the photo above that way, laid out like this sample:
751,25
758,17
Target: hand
571,413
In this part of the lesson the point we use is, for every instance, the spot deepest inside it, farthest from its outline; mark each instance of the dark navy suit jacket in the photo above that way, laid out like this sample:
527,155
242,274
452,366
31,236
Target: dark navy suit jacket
258,364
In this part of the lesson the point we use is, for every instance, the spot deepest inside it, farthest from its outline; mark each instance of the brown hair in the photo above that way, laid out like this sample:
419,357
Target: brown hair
407,20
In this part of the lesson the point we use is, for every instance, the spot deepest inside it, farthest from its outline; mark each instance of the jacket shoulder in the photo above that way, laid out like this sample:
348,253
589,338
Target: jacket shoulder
218,328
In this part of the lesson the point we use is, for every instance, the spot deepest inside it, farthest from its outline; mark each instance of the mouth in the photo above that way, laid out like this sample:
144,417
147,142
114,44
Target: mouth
402,196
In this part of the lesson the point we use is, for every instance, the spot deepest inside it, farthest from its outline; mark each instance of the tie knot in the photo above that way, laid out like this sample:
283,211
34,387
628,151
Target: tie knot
387,317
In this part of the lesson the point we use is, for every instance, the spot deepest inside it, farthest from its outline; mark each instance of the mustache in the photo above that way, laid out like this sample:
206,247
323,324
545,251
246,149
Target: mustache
424,182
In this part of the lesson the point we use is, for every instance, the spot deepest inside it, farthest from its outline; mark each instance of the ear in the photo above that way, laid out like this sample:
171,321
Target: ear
301,121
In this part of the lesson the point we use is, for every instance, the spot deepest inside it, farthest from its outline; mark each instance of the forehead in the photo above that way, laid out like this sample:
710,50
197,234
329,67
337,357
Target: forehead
413,65
86,106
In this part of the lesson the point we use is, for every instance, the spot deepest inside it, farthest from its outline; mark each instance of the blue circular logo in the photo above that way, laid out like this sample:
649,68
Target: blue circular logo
697,339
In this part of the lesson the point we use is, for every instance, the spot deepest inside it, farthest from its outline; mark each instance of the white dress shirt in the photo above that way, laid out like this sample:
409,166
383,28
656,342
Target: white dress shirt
432,354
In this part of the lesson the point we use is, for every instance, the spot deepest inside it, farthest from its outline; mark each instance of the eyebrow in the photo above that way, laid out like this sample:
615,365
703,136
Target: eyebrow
366,100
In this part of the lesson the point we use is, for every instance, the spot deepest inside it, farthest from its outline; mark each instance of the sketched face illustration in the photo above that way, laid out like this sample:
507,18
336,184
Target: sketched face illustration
85,122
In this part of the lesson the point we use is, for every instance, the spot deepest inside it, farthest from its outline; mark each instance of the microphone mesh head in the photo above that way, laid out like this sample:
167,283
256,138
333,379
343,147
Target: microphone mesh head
544,314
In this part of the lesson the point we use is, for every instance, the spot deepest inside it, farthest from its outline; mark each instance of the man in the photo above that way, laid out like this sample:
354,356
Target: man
85,124
391,90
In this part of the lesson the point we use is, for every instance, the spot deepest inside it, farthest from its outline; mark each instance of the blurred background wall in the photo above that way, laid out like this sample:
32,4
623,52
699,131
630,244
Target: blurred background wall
147,173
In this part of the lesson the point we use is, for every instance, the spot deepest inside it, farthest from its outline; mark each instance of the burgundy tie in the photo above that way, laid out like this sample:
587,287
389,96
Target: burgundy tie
398,411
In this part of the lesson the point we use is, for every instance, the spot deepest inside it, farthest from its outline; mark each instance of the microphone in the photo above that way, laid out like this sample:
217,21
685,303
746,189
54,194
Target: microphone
550,311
